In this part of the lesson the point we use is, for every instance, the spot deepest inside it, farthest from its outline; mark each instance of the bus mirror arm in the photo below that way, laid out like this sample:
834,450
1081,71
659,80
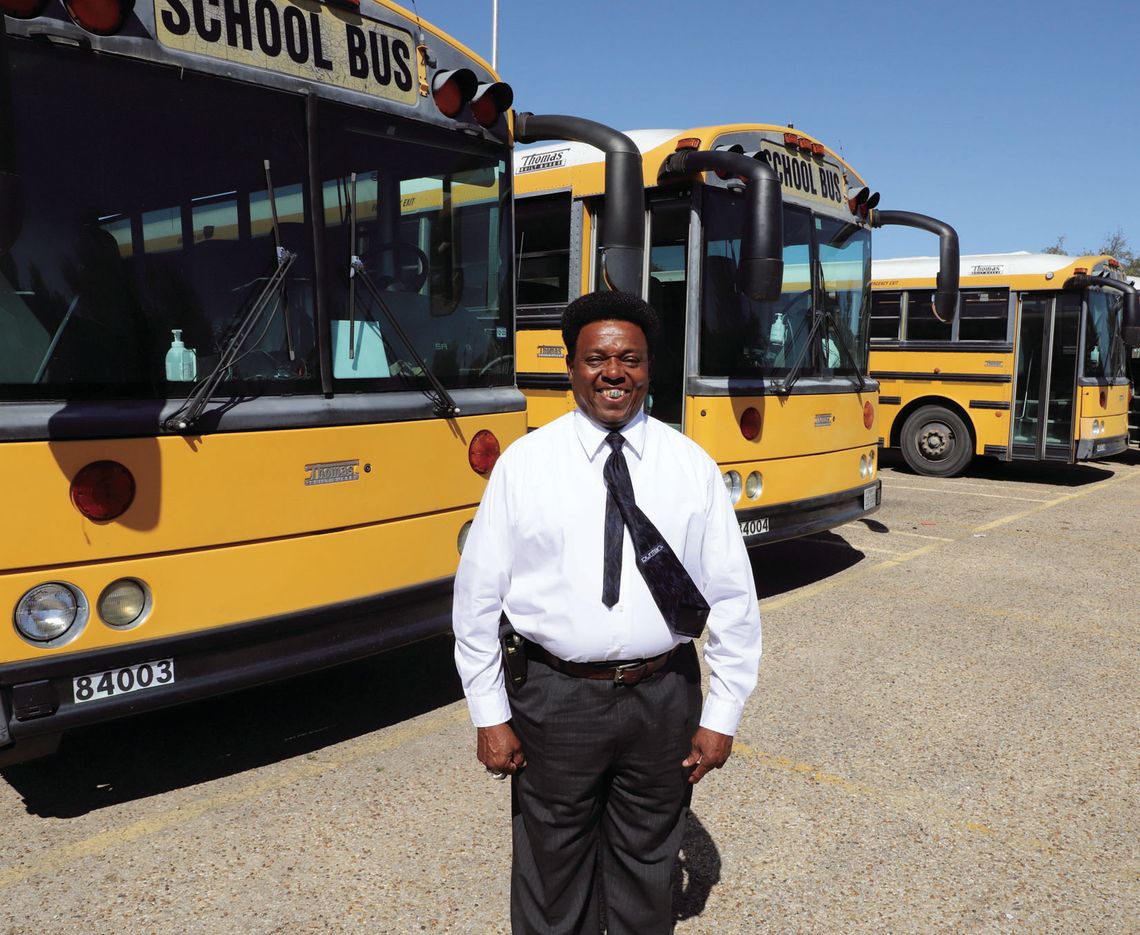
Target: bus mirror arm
623,230
1130,327
760,274
946,290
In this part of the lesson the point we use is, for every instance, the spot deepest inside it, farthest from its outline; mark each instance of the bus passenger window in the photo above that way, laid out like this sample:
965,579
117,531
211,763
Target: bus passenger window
542,235
921,325
983,315
886,315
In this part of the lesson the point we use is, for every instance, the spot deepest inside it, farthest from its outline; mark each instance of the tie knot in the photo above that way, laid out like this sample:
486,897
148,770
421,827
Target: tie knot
615,441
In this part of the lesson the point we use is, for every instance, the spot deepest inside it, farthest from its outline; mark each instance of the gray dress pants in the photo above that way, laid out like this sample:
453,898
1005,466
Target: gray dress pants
599,812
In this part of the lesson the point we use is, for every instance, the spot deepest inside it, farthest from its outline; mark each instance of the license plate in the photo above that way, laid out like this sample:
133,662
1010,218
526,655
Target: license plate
869,498
112,682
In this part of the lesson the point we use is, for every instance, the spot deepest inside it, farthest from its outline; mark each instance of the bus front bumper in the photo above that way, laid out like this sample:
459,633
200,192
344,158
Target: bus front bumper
1089,449
38,697
762,525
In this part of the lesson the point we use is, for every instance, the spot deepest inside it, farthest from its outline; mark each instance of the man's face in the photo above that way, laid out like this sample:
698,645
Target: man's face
609,372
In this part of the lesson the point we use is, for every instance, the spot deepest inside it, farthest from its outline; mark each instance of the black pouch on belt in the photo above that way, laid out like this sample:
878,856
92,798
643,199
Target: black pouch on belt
514,652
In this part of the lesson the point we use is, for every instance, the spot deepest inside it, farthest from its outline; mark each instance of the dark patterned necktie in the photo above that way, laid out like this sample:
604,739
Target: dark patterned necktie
676,596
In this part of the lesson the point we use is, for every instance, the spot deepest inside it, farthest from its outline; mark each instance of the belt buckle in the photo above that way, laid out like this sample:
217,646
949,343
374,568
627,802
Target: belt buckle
621,671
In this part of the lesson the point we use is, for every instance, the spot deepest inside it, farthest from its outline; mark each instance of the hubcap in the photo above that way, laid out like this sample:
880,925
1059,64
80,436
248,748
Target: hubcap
935,441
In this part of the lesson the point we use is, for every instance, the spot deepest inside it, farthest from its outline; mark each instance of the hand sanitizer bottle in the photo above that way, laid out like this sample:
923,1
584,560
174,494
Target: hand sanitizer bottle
181,361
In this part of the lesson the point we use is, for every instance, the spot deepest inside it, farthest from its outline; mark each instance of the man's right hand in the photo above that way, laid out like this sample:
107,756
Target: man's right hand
499,749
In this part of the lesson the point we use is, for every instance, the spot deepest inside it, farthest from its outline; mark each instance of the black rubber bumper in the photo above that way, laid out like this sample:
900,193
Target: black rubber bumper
1089,449
37,696
787,521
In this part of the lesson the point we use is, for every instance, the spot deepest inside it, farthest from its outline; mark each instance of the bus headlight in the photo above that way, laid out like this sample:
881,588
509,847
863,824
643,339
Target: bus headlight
462,540
733,486
49,612
754,486
863,468
123,603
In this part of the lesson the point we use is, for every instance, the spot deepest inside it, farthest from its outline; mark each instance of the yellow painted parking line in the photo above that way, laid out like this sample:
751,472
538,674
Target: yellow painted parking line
57,858
969,493
1064,498
918,535
844,544
828,583
921,806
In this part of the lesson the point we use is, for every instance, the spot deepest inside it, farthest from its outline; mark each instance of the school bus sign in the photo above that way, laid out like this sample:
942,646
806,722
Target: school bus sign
305,39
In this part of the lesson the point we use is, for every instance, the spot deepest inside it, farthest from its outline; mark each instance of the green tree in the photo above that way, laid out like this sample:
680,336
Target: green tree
1115,245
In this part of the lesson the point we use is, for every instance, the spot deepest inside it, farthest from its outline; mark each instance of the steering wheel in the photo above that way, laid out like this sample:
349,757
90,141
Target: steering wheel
501,359
410,262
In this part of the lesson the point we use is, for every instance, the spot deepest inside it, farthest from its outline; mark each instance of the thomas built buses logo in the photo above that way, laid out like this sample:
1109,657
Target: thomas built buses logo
532,162
331,472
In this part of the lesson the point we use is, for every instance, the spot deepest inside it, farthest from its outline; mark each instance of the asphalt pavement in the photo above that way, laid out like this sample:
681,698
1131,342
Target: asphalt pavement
944,739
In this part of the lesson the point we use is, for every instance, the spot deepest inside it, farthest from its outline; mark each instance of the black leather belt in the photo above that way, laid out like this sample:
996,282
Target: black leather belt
622,673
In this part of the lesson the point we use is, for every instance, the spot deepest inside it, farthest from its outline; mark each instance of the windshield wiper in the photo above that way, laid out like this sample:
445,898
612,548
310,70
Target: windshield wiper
444,405
190,411
826,316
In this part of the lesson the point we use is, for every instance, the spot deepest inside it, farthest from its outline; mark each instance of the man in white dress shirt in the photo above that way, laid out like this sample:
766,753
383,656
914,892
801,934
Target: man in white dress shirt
606,736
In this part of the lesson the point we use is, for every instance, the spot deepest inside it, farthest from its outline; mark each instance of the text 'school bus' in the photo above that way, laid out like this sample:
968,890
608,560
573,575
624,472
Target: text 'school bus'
1033,367
256,342
758,262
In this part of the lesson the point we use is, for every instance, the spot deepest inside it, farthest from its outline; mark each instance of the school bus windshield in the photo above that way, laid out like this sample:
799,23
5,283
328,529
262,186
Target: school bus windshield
116,272
819,324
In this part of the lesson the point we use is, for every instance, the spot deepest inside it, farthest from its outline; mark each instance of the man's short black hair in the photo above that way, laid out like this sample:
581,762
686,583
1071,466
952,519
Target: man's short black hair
608,306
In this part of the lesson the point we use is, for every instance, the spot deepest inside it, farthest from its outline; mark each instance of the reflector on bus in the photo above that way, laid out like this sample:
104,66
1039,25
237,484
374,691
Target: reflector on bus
492,99
452,89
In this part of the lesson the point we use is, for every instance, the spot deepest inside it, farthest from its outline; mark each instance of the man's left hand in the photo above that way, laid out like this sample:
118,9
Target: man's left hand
710,751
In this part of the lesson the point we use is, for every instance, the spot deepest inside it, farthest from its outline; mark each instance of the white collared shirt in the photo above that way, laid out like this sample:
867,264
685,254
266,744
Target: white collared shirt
535,551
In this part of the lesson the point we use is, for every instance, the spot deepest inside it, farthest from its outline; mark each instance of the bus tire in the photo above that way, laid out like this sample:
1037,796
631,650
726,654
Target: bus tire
936,442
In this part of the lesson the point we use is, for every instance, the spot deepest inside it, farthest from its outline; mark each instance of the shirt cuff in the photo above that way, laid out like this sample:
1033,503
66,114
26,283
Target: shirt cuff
489,710
721,715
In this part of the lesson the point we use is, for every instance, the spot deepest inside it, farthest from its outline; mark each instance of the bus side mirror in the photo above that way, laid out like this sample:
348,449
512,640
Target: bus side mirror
1131,330
11,210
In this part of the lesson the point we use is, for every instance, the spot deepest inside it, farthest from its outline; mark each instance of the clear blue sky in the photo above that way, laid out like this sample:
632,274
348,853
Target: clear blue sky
1017,122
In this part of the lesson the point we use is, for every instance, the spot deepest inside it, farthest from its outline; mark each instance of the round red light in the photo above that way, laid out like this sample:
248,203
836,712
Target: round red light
103,490
483,452
448,98
1104,399
102,17
868,415
22,9
485,110
750,423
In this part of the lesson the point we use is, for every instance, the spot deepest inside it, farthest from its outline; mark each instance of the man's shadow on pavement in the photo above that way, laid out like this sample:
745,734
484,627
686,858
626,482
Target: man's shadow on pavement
696,873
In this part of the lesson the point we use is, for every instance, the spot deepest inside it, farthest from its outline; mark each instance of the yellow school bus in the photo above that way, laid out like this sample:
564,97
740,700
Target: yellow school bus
1032,368
758,262
256,342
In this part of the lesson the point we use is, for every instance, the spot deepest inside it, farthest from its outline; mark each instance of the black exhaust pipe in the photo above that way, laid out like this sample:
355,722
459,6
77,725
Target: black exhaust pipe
760,275
946,292
1130,329
623,247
